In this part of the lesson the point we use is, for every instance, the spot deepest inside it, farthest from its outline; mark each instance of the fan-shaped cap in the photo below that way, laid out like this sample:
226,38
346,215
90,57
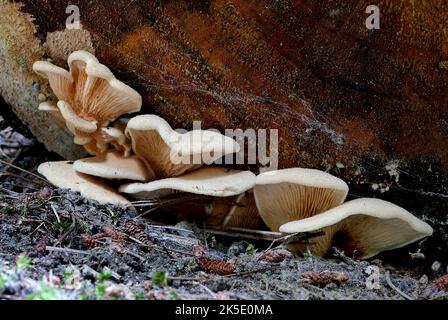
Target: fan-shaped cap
90,97
364,226
62,175
170,153
113,165
296,193
61,81
210,181
100,94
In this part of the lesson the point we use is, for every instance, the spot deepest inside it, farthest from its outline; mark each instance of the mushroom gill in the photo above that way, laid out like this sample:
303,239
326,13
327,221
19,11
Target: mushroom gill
362,228
90,97
296,193
170,153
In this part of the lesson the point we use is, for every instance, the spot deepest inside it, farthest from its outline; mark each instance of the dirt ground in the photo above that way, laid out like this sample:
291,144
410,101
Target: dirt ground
54,244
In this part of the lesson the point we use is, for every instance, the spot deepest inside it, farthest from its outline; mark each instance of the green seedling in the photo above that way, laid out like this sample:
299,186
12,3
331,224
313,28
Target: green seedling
160,278
44,293
250,249
104,275
23,261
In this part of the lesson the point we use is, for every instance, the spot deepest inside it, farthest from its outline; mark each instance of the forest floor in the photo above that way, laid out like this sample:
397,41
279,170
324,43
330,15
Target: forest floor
55,244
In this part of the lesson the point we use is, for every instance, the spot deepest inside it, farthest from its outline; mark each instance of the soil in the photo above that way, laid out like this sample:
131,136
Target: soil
55,244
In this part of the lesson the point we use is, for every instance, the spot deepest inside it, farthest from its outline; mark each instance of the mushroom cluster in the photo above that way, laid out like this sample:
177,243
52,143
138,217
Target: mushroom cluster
152,161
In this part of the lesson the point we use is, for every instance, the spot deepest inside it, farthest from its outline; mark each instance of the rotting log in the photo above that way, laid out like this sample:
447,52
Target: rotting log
370,106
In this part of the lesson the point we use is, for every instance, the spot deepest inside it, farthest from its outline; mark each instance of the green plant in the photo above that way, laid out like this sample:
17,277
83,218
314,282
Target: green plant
160,278
139,295
104,275
250,249
67,273
7,210
173,295
24,212
3,280
44,293
23,261
100,289
61,226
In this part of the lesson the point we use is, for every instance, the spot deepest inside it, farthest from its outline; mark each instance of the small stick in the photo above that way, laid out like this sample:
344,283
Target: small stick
246,273
187,278
66,250
55,213
170,228
16,176
206,289
242,233
389,282
23,170
158,247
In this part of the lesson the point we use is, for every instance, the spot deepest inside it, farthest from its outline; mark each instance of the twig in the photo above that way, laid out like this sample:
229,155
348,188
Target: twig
389,282
158,247
245,234
246,273
206,289
170,228
16,176
23,170
187,278
55,213
66,250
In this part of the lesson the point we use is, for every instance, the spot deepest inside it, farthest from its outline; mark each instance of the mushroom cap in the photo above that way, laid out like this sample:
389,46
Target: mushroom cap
366,226
90,97
113,165
296,193
100,94
176,153
74,122
60,80
53,109
62,175
211,181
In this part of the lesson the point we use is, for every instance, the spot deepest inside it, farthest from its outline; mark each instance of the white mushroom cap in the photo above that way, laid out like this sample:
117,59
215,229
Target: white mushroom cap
116,137
98,91
296,193
365,226
60,80
113,165
53,109
75,123
62,175
210,181
170,153
90,97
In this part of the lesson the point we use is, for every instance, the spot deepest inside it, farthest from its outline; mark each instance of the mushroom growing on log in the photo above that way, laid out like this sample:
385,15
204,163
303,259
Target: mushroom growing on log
369,105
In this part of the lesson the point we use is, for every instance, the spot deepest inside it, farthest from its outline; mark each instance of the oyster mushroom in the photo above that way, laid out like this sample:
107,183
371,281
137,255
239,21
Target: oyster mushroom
209,181
62,175
362,227
114,165
90,97
296,193
170,153
227,198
